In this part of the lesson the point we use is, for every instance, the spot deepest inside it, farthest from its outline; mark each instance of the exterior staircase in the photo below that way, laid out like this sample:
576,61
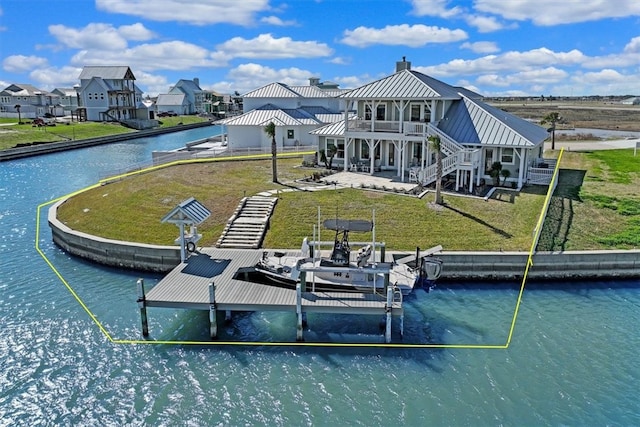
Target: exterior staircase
455,156
247,226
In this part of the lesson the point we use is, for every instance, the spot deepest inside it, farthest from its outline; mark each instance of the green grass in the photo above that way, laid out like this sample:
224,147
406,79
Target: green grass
588,211
597,205
131,209
14,135
11,136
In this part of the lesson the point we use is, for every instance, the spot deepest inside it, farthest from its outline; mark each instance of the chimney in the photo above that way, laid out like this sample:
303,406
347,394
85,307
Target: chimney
196,80
403,65
314,81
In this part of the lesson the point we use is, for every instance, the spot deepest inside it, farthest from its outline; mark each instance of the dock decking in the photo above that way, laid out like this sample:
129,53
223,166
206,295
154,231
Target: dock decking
188,287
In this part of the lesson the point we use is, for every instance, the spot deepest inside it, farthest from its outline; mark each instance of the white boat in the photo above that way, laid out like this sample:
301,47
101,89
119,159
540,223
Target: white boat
340,272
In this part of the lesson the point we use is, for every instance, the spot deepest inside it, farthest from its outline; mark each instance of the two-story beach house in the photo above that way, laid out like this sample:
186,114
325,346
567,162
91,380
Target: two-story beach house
295,110
185,97
33,102
109,93
397,114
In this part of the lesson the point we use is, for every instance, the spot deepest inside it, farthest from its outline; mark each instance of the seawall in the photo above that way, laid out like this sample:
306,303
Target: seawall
458,265
53,147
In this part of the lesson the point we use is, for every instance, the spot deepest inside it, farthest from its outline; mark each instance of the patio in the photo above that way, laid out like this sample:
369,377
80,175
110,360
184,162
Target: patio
380,179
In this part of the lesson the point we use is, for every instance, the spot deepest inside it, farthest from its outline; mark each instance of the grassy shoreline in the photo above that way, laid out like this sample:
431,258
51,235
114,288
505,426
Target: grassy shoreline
595,207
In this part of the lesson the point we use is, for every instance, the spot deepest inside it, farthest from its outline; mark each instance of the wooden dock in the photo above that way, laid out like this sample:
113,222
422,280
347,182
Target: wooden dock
209,280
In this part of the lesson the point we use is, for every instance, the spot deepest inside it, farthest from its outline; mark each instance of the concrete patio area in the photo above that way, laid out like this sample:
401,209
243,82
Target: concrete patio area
358,180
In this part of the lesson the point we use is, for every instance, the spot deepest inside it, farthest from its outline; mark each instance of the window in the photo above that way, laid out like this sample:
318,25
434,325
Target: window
415,113
380,112
506,156
391,158
290,134
367,112
340,152
364,150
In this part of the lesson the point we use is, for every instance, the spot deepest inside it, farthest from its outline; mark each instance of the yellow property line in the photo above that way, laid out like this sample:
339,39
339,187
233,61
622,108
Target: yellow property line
106,333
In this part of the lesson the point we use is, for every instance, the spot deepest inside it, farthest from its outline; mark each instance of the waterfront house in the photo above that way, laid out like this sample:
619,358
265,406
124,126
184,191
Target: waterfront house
33,102
109,93
176,103
397,114
194,95
68,100
295,110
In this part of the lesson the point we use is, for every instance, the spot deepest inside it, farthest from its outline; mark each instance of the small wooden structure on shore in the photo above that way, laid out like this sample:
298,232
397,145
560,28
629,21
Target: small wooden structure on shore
213,280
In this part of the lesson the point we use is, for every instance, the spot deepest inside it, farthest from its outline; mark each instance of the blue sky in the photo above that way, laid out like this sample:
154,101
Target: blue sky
495,47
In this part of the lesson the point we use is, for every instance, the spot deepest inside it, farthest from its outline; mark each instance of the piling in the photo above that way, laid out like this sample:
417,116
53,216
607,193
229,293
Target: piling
299,328
213,328
387,309
143,308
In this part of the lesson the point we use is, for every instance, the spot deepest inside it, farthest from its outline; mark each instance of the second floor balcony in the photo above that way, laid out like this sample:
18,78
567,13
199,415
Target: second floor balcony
407,128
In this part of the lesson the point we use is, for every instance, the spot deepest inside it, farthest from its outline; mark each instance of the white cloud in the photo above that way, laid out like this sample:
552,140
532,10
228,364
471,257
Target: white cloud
435,8
265,46
274,20
507,62
51,77
405,35
250,76
545,76
21,63
553,12
197,12
174,55
486,24
340,60
481,47
99,36
136,32
633,46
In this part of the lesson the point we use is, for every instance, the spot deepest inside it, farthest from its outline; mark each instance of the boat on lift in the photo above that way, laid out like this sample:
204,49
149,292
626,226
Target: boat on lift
342,272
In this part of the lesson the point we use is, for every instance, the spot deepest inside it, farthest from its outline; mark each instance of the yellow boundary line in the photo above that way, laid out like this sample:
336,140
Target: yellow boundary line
113,340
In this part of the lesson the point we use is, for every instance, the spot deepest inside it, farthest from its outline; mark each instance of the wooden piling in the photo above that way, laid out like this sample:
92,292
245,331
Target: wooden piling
388,307
143,308
299,328
213,329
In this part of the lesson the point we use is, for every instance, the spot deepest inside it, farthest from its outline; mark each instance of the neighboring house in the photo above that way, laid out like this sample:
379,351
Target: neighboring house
68,99
295,110
172,103
193,94
217,103
634,100
397,114
109,93
33,102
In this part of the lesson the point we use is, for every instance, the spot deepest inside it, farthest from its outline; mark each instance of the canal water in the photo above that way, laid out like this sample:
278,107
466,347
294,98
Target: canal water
572,359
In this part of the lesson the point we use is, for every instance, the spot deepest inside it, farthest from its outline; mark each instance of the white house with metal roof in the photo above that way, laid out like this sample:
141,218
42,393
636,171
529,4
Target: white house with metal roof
295,110
397,114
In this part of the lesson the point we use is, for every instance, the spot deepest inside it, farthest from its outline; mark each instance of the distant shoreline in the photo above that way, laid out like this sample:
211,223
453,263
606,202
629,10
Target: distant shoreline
54,147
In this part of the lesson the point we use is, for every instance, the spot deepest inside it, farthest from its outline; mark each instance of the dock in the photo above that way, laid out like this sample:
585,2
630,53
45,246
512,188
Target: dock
213,279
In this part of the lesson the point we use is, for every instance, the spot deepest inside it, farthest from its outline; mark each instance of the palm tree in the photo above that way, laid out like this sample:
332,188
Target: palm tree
17,107
552,118
436,144
270,130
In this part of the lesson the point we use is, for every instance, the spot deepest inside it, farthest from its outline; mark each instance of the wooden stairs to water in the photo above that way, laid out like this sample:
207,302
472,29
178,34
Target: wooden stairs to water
247,226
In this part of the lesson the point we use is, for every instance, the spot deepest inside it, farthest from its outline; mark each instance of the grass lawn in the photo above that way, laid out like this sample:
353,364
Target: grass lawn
12,134
596,206
131,209
597,203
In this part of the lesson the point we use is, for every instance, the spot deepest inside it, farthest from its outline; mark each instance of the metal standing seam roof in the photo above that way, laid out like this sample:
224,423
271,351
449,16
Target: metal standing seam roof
170,99
312,116
189,211
474,122
272,90
405,84
117,72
